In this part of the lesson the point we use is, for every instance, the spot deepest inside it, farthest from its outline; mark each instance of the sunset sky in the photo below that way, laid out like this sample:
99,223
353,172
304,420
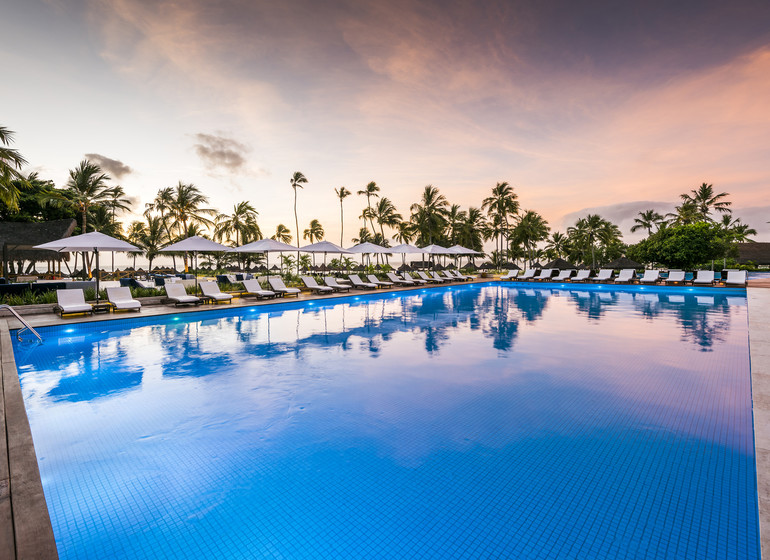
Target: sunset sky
608,106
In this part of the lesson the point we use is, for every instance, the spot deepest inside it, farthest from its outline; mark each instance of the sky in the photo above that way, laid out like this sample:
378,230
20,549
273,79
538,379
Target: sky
592,106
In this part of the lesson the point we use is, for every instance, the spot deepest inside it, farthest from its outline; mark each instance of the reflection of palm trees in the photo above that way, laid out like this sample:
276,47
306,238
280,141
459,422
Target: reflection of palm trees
704,325
593,304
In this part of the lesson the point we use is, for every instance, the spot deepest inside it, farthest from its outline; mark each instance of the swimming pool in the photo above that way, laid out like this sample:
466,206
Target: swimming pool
491,420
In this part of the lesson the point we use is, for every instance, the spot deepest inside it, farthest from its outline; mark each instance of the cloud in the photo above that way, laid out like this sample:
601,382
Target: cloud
220,152
115,168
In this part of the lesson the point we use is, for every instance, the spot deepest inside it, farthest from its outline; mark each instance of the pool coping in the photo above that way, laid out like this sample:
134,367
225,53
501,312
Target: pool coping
25,525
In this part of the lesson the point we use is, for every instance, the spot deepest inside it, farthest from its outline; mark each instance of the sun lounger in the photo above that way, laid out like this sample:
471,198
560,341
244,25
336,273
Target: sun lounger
448,276
212,292
511,275
393,278
253,288
121,299
310,283
704,278
563,275
529,274
277,285
436,277
545,274
736,278
605,275
424,278
581,276
460,276
626,276
408,276
675,277
69,302
176,293
374,280
650,277
359,284
336,286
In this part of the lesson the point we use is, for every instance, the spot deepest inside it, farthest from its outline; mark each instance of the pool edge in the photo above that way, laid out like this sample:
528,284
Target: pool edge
25,526
758,300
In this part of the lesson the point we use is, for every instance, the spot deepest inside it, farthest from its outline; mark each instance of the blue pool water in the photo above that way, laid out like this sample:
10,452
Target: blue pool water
484,421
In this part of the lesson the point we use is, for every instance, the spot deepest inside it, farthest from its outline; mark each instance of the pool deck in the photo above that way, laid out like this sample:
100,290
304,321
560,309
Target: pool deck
25,527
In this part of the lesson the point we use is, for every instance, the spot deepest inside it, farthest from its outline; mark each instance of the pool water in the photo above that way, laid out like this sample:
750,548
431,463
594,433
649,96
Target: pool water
483,421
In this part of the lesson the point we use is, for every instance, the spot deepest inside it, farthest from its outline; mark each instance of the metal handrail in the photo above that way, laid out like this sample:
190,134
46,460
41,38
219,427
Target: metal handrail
27,326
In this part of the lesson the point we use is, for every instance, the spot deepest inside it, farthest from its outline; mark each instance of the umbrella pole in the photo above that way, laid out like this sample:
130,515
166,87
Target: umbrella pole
195,270
96,251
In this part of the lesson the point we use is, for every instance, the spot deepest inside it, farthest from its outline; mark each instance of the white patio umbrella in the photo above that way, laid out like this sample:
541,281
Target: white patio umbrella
368,248
437,250
404,249
324,247
89,242
194,245
460,250
264,246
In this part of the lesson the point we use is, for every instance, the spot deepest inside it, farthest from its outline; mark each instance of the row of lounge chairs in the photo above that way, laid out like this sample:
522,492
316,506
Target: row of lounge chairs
72,301
627,276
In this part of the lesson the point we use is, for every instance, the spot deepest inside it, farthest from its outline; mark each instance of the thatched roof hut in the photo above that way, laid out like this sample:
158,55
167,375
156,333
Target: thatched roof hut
623,262
758,253
18,239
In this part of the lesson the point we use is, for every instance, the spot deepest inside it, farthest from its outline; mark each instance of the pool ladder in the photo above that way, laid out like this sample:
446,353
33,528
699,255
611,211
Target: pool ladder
27,326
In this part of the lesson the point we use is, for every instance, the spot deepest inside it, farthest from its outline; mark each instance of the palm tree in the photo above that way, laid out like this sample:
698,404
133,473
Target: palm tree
557,245
455,218
11,163
585,233
364,236
136,231
369,191
705,200
315,232
241,226
342,193
86,187
736,230
429,215
386,215
529,231
117,201
647,220
405,232
297,180
161,206
187,212
687,213
153,238
502,203
473,229
282,234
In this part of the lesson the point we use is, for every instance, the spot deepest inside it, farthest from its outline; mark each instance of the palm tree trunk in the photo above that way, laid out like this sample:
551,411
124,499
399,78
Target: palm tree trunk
296,224
342,222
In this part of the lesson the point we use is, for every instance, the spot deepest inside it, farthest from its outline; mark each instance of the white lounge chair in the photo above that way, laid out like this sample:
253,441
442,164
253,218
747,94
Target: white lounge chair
212,292
460,276
311,284
626,276
529,274
545,274
605,275
650,277
69,302
145,284
563,275
393,278
736,278
176,293
253,288
359,284
374,280
424,278
277,285
582,276
675,277
121,299
448,276
436,277
704,278
336,286
512,274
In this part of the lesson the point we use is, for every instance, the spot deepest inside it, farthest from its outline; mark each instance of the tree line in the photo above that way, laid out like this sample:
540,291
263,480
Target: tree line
686,237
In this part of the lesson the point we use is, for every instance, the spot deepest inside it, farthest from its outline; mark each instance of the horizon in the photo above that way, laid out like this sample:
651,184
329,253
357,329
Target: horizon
598,108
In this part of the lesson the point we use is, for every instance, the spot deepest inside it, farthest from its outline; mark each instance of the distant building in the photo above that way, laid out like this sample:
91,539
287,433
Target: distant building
18,239
758,253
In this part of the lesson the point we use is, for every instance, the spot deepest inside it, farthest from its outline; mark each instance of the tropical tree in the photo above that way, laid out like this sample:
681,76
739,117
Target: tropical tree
472,230
405,232
735,230
239,227
429,215
136,231
531,228
557,246
683,246
297,180
152,238
282,234
364,236
585,234
86,187
455,217
33,205
342,194
687,213
315,232
503,204
11,162
369,191
706,201
161,208
647,220
187,212
386,215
